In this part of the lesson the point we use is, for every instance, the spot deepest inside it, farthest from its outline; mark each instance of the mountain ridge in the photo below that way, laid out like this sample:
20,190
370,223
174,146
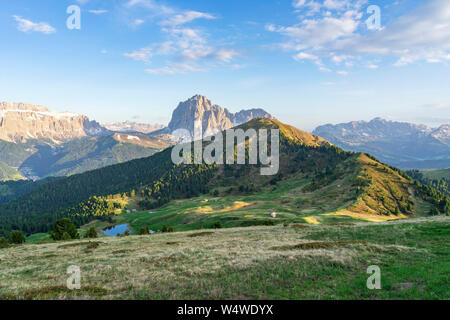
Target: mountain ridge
401,144
131,126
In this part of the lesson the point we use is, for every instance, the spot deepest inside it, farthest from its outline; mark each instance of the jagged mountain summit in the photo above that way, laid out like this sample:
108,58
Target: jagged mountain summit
401,144
212,117
21,122
131,126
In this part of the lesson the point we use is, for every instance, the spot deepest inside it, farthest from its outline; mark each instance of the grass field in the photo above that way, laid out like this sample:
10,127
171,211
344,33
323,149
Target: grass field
298,261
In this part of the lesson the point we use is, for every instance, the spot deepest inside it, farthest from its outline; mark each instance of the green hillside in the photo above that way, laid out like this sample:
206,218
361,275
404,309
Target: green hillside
14,154
83,155
317,178
10,190
437,179
8,173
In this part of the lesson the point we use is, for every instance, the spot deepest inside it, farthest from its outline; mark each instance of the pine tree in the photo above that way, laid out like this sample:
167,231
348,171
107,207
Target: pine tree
17,237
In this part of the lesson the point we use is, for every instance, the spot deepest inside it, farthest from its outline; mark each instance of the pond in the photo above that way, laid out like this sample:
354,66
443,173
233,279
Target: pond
116,230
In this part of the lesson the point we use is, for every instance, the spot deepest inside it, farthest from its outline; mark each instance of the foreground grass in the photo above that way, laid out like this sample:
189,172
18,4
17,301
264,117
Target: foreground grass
326,261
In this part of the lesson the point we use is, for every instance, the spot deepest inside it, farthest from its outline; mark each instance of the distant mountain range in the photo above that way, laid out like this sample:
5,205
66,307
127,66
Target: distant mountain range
36,142
130,126
401,144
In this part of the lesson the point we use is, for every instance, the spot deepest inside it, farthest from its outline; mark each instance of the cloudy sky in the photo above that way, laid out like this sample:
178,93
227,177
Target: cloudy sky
308,62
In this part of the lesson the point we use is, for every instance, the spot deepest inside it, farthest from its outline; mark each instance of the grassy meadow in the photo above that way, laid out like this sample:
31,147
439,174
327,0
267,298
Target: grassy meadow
286,261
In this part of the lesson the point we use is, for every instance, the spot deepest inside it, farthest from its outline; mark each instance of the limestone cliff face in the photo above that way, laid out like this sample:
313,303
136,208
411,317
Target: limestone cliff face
20,122
199,110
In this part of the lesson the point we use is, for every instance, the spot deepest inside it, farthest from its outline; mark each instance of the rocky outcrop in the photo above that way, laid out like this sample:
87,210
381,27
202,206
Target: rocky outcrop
20,122
199,111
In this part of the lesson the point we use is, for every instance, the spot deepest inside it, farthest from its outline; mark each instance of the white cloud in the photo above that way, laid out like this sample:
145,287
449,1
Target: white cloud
305,56
25,25
318,32
174,68
336,4
225,55
204,52
185,17
155,7
422,34
189,49
100,11
143,54
338,29
340,58
184,37
298,3
138,22
271,28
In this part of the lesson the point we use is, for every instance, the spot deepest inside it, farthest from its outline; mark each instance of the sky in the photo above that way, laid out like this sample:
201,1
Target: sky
308,62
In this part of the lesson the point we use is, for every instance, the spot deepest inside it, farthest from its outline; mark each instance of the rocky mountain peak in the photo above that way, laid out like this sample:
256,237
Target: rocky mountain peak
212,117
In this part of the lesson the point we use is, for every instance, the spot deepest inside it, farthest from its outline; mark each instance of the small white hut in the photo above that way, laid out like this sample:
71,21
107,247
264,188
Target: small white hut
273,214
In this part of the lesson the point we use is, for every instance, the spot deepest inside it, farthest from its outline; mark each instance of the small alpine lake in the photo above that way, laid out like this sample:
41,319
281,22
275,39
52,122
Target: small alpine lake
114,231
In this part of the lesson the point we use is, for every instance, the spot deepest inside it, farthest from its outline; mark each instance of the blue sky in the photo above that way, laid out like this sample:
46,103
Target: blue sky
308,62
